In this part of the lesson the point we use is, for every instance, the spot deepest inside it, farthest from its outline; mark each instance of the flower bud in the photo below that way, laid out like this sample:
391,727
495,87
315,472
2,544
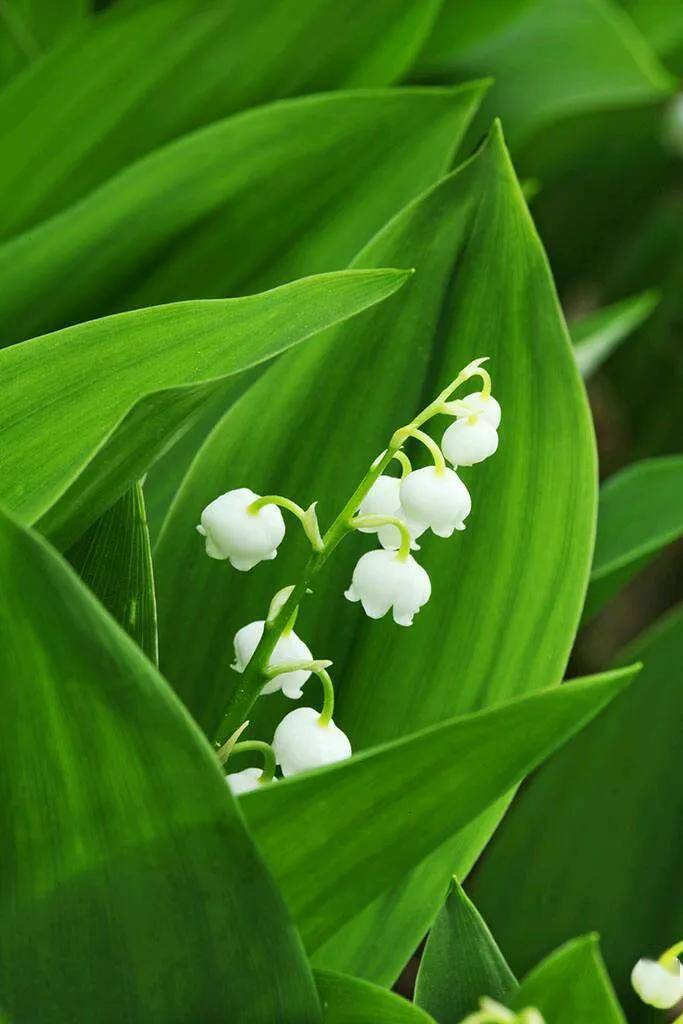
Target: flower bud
438,500
245,538
303,742
244,781
466,443
383,580
381,500
488,408
658,985
288,648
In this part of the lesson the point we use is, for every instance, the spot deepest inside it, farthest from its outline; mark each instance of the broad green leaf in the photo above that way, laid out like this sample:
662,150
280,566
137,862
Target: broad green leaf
347,1000
608,854
144,88
284,191
131,889
640,512
30,27
596,335
571,986
506,595
461,963
113,558
336,838
85,410
550,59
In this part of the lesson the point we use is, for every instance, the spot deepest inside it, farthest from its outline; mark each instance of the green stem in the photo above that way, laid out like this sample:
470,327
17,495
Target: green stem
360,522
670,956
247,745
320,668
306,517
328,697
406,466
429,443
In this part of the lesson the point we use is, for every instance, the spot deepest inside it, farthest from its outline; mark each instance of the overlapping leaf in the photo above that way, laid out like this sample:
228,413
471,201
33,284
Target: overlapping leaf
461,963
30,27
640,511
347,1000
506,595
147,73
597,335
616,823
261,198
335,839
105,397
131,889
114,560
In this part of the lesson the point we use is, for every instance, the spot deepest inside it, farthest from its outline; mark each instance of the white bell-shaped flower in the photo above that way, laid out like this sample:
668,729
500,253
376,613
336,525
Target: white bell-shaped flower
437,499
381,500
488,408
302,741
244,781
289,648
658,985
233,532
384,580
468,441
389,535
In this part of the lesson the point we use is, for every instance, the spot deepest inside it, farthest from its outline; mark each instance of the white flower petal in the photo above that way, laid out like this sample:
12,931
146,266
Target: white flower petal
657,985
289,648
234,533
488,408
381,500
465,443
244,781
438,500
301,742
382,580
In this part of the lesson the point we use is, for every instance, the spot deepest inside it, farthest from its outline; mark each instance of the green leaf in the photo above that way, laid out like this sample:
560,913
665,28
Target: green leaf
596,335
261,198
347,1000
131,889
113,558
593,57
616,824
144,89
640,512
335,839
461,963
570,986
506,595
30,27
86,410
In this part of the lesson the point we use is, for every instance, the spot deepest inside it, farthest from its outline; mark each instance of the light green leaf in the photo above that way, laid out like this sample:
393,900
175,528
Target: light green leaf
261,198
141,65
571,986
616,823
461,963
336,838
592,57
347,1000
640,512
596,335
506,595
86,410
30,27
131,889
113,558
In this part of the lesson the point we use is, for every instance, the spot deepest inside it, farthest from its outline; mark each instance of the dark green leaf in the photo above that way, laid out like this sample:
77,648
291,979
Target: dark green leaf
261,198
131,890
571,986
640,511
347,1000
86,410
607,809
597,335
335,839
507,594
141,65
30,27
461,963
113,558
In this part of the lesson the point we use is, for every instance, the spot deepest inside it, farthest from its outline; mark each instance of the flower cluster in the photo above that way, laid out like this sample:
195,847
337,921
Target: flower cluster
491,1012
659,983
245,528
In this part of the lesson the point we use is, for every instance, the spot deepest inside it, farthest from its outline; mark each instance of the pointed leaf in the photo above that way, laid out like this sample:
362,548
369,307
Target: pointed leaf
140,62
335,839
617,824
114,560
125,861
86,410
597,335
461,963
347,1000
